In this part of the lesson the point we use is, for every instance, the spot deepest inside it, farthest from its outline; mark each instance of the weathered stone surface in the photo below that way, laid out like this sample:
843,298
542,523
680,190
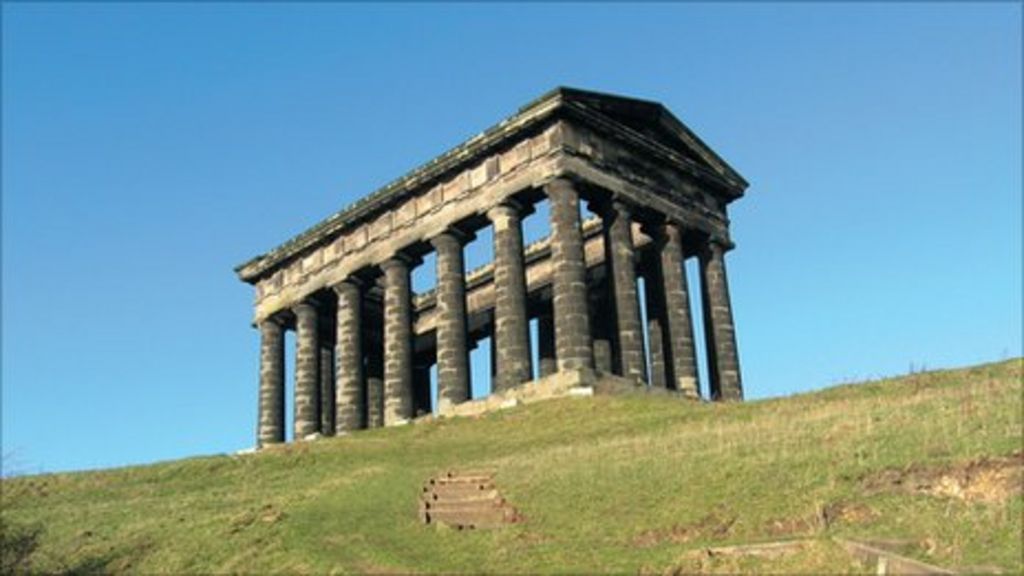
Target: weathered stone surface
480,289
719,330
421,391
679,325
603,355
398,405
307,371
271,407
572,321
644,166
511,330
655,301
327,412
546,344
374,388
452,352
618,225
464,500
350,398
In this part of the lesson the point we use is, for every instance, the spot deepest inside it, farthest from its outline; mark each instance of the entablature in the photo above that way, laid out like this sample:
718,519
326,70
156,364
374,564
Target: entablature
557,137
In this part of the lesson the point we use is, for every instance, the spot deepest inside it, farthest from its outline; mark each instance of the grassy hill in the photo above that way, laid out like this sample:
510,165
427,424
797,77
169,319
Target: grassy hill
612,484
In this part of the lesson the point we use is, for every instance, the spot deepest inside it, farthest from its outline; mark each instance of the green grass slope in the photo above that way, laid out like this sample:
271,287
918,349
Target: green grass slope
606,484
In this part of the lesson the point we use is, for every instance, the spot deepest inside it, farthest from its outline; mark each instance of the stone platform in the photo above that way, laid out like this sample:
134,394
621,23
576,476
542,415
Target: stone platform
570,383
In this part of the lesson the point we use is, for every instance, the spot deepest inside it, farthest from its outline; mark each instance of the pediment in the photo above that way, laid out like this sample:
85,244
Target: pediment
653,120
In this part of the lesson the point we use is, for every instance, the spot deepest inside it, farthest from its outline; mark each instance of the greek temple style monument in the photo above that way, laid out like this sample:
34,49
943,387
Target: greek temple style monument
365,343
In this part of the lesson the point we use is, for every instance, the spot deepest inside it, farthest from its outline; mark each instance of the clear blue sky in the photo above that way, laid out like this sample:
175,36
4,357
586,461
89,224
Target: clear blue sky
149,148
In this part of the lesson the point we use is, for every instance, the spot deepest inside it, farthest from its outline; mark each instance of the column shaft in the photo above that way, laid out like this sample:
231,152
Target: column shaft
546,344
654,298
618,237
677,312
718,329
350,400
375,386
452,351
327,413
397,342
511,331
572,323
421,390
307,371
270,428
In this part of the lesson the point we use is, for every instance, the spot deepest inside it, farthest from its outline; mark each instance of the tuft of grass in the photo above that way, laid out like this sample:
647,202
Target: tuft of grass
606,484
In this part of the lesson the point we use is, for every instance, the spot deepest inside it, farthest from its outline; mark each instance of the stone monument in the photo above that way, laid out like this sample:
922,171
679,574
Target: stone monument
365,343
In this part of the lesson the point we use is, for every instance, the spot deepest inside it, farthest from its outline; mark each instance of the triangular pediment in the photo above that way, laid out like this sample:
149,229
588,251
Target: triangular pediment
654,121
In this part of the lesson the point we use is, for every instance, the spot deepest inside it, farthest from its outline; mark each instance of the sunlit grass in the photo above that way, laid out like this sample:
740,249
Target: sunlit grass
604,483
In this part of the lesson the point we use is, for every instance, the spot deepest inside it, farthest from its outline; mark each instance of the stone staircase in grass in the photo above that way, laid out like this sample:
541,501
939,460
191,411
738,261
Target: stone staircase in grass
465,500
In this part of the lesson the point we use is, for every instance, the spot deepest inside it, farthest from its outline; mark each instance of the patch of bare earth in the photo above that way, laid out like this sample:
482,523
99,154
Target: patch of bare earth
713,526
267,514
987,479
829,515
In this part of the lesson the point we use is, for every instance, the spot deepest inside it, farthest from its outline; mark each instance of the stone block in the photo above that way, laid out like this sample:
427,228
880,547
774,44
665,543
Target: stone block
515,157
381,227
540,145
405,213
356,239
428,200
478,175
311,262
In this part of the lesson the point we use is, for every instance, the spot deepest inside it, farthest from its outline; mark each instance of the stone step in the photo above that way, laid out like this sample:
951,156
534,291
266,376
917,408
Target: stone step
459,480
457,490
464,500
470,506
484,518
471,496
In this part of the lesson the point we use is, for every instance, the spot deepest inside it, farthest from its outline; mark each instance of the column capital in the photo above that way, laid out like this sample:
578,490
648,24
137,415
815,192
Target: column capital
611,205
274,319
348,284
716,246
505,209
305,307
560,183
399,259
451,235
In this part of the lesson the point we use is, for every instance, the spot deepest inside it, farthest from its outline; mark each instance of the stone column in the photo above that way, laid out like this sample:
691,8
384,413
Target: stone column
718,328
511,331
327,413
653,299
349,396
603,361
618,238
374,387
421,390
679,325
397,341
452,352
572,323
307,371
270,428
546,344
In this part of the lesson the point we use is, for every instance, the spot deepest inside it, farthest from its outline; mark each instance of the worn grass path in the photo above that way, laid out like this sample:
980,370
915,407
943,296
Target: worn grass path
606,484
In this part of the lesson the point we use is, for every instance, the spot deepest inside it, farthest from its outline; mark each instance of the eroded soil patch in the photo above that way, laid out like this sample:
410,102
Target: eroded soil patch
987,479
714,526
827,516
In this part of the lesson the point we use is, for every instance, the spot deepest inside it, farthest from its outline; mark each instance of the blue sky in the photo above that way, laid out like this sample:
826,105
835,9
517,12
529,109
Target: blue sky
149,148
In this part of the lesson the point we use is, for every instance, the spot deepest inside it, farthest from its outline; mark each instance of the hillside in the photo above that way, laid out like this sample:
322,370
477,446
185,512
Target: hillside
615,484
